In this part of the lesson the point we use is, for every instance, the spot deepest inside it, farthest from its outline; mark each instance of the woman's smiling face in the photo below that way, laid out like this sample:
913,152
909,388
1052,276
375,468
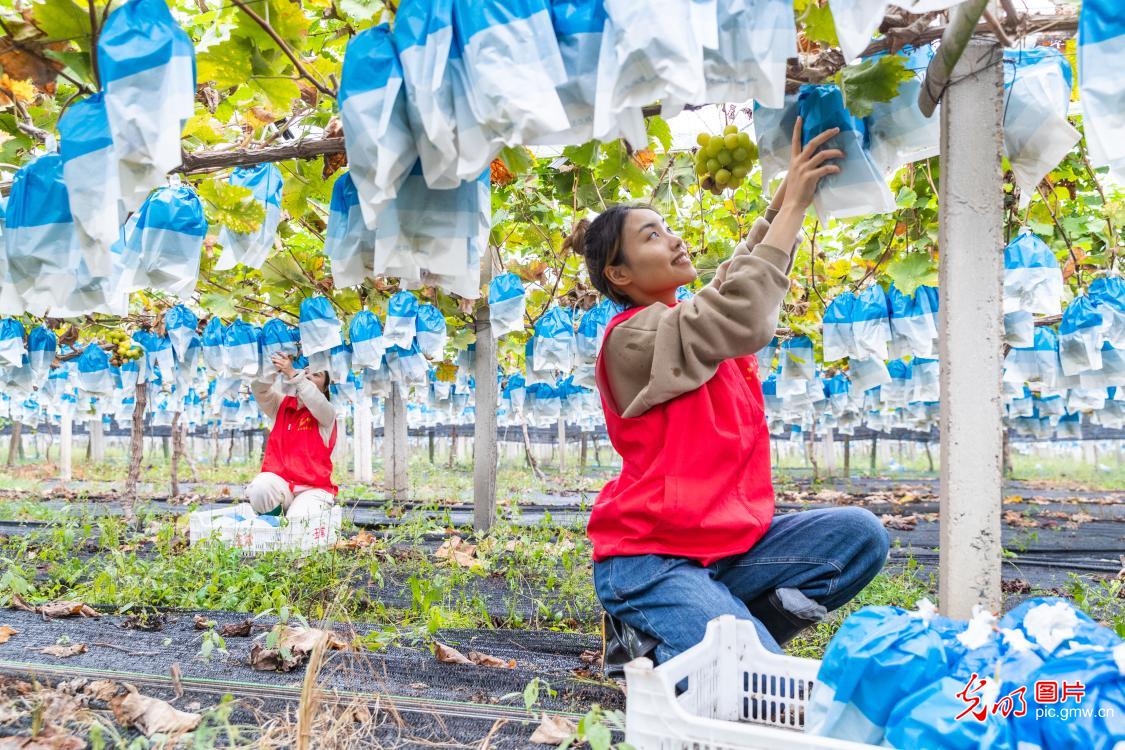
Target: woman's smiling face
654,262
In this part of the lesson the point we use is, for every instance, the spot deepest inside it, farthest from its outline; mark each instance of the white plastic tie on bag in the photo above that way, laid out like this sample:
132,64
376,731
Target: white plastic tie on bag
1015,640
926,610
982,626
1050,624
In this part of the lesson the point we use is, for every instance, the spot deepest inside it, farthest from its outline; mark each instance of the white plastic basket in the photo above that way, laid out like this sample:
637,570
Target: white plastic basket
304,533
738,696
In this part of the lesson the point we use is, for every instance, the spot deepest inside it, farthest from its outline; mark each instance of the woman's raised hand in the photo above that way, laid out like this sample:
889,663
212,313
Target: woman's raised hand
284,364
807,166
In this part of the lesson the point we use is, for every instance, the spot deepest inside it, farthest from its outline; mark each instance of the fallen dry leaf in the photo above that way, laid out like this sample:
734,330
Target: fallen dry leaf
1015,518
64,652
105,690
900,523
202,622
55,609
237,629
487,660
1015,586
152,715
830,496
589,656
553,730
51,738
292,649
363,539
459,551
6,633
450,655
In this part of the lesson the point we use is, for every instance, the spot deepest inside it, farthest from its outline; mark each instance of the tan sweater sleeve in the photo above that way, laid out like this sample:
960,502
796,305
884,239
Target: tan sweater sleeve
269,400
662,352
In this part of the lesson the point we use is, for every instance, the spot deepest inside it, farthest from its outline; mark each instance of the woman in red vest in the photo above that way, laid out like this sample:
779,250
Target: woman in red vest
296,473
687,531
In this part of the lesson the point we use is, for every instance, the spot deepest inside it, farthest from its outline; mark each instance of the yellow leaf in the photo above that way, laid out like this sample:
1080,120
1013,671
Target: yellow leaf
259,116
23,91
839,268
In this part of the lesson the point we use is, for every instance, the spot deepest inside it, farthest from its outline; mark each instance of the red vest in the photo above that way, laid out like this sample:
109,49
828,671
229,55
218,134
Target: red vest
296,452
695,476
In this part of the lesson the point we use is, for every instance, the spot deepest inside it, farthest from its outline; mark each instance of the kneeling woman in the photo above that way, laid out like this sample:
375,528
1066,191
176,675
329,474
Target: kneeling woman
687,532
296,473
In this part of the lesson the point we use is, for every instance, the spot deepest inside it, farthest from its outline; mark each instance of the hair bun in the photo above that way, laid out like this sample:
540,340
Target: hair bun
576,241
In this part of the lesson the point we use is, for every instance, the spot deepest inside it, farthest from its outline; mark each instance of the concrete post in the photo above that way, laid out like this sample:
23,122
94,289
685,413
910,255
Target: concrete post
361,448
562,444
97,440
485,456
66,431
970,216
829,443
395,444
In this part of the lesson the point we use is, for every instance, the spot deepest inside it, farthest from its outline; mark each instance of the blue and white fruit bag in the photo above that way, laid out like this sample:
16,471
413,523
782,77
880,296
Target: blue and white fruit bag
168,238
402,317
147,66
90,174
377,135
252,248
366,334
506,304
1101,47
859,188
1037,134
513,66
319,326
879,656
348,243
43,252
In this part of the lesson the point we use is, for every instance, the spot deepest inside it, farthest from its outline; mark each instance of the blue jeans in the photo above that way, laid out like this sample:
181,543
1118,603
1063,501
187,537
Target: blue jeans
827,554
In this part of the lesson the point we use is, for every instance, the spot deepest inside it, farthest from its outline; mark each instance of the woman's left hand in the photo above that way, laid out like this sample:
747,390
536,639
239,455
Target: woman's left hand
284,364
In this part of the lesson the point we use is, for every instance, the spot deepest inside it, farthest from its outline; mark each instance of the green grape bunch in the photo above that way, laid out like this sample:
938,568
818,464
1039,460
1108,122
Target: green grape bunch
723,160
122,348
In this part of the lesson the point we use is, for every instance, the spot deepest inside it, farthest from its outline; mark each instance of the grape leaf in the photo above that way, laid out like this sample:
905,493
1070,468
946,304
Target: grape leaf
816,17
872,81
912,271
584,155
660,130
62,19
518,159
218,303
233,206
